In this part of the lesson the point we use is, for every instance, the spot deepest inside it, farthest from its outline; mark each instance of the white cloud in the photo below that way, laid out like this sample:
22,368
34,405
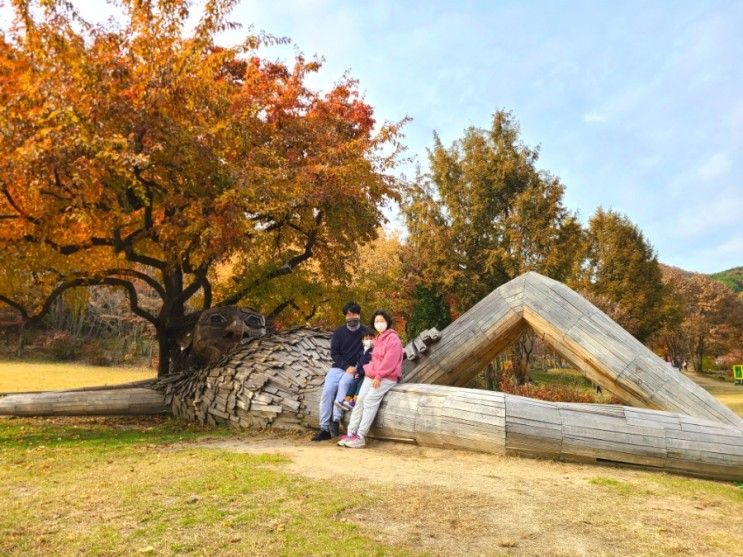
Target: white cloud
715,167
733,246
594,117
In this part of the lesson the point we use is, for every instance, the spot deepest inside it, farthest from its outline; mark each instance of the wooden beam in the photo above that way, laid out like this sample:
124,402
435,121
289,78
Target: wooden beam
603,351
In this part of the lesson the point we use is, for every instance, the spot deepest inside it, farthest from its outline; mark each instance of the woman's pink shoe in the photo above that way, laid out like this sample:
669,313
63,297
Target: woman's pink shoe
346,437
356,442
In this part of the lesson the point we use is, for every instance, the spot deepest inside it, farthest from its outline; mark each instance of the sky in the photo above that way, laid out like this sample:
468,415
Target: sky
636,106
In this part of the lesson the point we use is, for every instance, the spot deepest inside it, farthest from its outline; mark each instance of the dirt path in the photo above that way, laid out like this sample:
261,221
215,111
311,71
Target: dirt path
459,503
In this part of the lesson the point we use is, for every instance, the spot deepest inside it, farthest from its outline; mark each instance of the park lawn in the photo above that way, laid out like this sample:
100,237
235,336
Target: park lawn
561,376
124,486
25,376
725,391
734,401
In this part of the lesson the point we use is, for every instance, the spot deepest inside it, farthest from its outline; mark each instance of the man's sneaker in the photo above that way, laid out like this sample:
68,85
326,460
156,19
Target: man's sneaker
335,428
344,439
356,442
322,435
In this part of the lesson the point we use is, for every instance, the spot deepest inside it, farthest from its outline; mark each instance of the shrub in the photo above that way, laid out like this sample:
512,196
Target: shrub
60,345
94,354
556,392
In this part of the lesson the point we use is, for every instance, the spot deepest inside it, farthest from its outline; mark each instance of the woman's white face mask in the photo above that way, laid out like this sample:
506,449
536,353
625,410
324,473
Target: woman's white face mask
380,326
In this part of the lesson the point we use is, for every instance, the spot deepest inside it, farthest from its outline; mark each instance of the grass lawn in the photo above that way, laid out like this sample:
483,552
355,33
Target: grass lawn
41,376
561,376
726,392
157,486
125,486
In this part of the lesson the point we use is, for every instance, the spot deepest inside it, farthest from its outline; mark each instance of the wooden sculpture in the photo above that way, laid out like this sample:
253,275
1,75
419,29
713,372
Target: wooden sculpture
672,424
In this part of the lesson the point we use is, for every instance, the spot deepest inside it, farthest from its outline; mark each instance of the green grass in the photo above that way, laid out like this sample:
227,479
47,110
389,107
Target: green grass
562,376
26,376
698,489
620,487
96,488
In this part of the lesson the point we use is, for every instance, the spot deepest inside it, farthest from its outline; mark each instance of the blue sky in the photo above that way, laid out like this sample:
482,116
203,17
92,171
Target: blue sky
637,106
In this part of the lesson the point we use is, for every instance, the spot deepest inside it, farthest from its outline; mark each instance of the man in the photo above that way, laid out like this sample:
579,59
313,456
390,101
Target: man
345,346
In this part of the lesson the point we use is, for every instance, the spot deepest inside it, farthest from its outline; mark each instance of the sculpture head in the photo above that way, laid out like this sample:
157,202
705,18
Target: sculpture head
219,330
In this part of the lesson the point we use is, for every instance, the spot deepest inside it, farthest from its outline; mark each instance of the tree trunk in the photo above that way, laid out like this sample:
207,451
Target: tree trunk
521,356
163,348
488,374
492,374
699,355
21,338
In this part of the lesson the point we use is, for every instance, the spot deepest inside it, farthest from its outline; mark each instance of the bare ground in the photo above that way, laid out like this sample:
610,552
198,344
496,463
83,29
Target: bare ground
461,503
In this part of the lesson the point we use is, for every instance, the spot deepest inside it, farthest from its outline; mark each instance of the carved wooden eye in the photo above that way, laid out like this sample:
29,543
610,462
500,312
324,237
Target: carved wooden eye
216,319
254,322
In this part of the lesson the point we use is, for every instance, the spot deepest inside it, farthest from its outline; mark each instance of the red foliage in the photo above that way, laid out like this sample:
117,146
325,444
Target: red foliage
552,392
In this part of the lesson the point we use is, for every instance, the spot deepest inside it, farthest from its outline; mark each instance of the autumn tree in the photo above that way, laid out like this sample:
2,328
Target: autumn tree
708,317
141,153
620,272
484,214
373,279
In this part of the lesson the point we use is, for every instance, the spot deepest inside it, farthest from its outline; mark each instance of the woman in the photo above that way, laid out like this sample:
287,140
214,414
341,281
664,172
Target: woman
380,375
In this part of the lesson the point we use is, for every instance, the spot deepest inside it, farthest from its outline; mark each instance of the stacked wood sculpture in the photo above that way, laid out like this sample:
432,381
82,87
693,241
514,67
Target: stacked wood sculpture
276,381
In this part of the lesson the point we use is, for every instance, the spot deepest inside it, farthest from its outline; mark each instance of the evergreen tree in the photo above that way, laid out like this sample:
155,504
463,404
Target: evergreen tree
429,309
621,266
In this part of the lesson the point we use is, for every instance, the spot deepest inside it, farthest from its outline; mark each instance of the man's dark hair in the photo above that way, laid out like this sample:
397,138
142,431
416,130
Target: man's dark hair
352,307
384,314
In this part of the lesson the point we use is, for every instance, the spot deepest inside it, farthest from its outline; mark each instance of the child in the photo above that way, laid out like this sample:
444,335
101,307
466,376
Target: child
347,401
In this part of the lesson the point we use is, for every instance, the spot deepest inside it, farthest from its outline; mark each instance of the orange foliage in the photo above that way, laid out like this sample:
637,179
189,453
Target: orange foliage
136,154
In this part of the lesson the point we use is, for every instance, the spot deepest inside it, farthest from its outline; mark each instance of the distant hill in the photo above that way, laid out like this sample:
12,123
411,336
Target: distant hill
732,277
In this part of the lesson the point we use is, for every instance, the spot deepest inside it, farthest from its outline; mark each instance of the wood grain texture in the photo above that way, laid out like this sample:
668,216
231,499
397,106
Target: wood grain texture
94,402
603,351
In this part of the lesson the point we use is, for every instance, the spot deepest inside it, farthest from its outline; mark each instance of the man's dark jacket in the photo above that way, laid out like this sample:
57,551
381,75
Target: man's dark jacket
345,346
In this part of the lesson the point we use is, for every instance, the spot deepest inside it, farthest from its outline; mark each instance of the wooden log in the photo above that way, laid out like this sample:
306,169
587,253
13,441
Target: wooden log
420,346
99,402
410,352
607,354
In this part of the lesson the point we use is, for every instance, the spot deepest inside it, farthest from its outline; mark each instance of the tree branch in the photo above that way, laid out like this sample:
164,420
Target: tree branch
16,305
17,207
156,286
127,246
200,281
207,286
98,281
284,269
281,307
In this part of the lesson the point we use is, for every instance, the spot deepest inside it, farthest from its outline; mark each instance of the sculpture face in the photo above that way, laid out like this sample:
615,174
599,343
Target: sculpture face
220,329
